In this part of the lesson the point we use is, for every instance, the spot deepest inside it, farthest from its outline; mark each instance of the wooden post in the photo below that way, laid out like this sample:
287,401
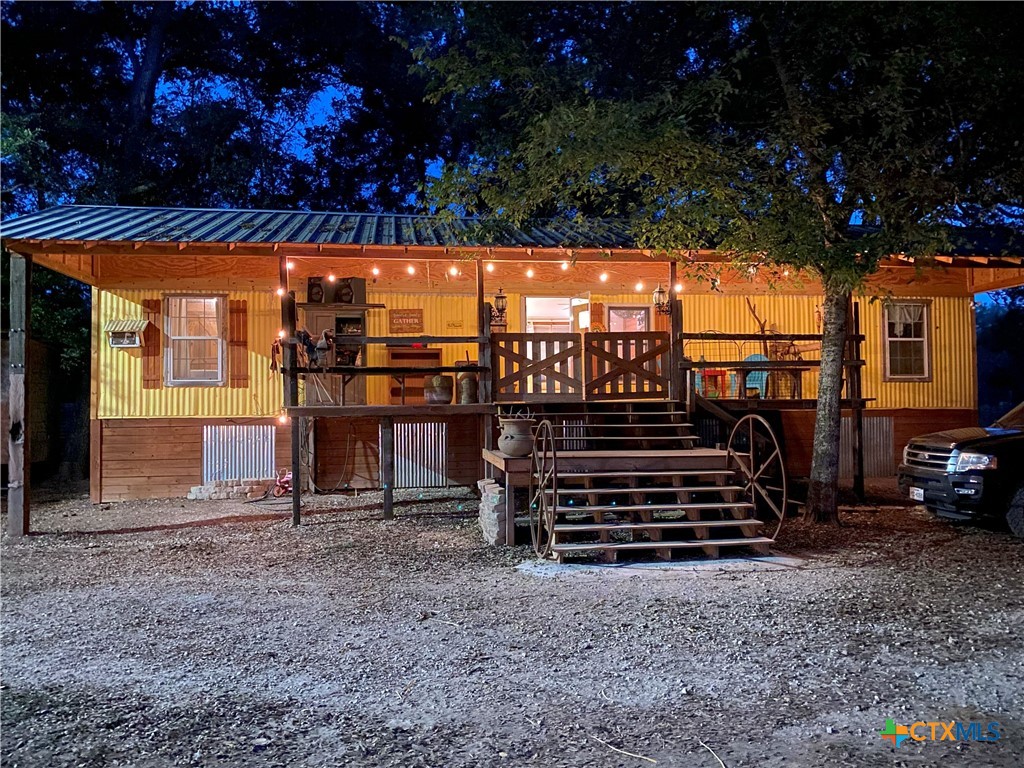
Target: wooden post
677,387
387,464
291,385
858,411
19,448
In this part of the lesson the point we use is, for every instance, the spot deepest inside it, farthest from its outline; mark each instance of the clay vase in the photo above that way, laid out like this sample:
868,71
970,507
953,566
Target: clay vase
516,438
438,390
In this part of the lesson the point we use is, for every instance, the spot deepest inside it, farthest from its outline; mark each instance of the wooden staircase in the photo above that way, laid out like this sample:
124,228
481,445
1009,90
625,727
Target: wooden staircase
636,482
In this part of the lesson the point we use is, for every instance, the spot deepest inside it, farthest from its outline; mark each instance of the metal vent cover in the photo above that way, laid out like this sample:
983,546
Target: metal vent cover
238,452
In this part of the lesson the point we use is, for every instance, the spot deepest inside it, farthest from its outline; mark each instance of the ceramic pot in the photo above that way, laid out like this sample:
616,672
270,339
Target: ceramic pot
438,390
516,438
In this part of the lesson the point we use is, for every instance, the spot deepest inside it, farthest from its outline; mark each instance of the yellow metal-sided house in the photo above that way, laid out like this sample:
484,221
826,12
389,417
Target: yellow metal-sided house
191,326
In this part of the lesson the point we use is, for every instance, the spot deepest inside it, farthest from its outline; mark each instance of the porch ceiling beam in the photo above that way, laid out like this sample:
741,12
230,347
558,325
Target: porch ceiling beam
461,253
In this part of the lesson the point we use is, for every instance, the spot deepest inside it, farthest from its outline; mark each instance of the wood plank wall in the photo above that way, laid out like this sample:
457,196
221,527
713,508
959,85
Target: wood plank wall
348,452
158,458
798,430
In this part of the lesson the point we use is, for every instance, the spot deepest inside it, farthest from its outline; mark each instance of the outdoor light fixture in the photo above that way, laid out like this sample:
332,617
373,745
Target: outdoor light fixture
661,305
499,308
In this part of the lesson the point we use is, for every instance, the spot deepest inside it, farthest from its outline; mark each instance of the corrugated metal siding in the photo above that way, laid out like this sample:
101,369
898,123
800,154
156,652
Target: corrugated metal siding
443,315
421,455
238,452
877,438
120,370
953,362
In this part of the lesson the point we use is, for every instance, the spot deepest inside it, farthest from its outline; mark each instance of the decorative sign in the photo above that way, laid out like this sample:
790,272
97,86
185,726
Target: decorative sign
405,321
453,325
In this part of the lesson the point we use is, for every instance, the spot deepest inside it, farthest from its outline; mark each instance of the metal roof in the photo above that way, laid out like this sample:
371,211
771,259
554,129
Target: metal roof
109,223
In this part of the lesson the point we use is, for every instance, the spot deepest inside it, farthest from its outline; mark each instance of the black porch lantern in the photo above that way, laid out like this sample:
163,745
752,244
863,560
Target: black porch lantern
660,297
500,305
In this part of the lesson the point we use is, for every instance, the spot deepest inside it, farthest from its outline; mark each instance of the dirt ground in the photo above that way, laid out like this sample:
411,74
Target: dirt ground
215,634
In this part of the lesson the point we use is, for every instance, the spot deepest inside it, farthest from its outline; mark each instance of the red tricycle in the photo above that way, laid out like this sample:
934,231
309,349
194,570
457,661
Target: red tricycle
283,484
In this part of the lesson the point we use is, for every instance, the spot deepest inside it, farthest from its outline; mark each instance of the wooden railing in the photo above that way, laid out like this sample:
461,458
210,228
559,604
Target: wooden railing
552,367
539,367
625,366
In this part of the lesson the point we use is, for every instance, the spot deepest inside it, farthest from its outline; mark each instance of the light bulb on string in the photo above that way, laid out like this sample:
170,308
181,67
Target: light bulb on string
603,277
331,278
280,291
565,266
530,272
490,266
411,269
639,287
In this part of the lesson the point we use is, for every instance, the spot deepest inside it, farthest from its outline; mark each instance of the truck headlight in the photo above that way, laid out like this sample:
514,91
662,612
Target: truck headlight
968,461
905,447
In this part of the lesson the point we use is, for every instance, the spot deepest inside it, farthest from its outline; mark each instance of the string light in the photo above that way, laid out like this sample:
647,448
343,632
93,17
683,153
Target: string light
280,291
785,273
565,266
529,272
411,269
291,265
639,287
283,418
603,277
490,266
331,278
280,334
375,271
679,287
453,271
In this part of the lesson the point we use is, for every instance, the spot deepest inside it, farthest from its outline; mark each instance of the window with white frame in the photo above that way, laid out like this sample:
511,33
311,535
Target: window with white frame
907,340
195,340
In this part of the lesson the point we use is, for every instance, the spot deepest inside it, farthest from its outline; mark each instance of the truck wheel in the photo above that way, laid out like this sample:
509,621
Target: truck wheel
1015,513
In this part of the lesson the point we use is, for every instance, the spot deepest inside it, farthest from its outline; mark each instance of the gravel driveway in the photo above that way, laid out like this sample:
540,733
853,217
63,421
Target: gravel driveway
213,633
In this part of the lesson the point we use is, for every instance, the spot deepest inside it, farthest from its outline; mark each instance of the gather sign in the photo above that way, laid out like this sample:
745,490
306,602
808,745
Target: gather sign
405,321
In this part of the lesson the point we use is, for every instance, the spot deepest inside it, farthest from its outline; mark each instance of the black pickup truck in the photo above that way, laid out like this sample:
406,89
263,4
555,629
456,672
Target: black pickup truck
970,473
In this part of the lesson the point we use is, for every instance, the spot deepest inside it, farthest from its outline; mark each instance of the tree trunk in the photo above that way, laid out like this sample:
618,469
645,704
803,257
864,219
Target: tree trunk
822,497
140,102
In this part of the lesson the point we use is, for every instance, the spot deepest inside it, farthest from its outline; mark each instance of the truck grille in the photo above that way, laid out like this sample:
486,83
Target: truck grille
928,457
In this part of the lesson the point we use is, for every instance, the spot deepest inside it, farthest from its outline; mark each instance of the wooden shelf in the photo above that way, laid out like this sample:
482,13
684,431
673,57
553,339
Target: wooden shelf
313,305
404,358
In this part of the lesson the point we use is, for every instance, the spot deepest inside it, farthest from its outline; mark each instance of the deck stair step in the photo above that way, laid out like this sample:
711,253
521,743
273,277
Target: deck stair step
582,473
631,425
665,525
686,544
580,491
681,507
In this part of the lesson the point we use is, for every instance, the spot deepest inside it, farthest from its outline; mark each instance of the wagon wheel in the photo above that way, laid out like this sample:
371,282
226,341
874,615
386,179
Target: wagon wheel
543,489
755,451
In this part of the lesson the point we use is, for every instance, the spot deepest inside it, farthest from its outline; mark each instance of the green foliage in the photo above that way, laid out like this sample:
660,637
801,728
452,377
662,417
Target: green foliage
763,130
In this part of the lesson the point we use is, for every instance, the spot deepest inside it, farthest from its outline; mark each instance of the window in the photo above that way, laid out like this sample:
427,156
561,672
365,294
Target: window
628,318
195,340
906,340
